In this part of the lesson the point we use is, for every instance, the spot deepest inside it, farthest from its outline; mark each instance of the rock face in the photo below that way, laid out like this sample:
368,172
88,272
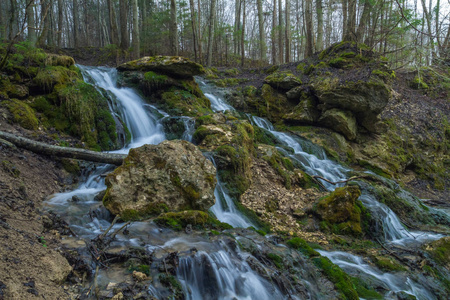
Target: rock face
341,121
176,66
283,80
304,113
171,176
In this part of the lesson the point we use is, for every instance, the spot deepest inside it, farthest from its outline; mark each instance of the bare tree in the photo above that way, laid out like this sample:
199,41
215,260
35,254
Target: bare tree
210,31
123,13
173,28
262,34
135,32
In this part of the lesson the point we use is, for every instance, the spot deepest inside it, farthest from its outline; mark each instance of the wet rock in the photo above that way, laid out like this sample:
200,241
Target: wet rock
341,121
176,66
171,176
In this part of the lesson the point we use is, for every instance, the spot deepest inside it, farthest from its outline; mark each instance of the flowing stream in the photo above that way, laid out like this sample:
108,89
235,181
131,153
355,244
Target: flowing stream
230,275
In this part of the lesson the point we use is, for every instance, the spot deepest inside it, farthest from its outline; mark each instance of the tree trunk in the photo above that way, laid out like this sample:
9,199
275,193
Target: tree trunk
280,32
427,17
319,12
350,34
344,18
309,29
173,30
243,35
363,22
210,31
60,23
135,33
114,36
194,28
288,31
200,47
262,35
31,25
123,14
274,33
2,21
51,150
76,23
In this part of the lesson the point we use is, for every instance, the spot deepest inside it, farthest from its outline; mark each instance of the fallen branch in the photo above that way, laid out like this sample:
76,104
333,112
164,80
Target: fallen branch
52,150
337,182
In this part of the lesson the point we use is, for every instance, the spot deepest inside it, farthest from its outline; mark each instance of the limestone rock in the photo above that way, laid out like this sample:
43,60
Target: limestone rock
139,276
176,66
339,208
304,113
364,99
282,80
57,268
340,121
171,176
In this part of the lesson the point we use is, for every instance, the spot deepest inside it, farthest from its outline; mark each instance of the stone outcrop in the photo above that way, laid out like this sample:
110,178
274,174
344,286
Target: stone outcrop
171,176
341,121
283,80
176,66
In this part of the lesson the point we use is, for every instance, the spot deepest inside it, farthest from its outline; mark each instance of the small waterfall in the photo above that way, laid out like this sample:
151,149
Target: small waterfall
214,95
224,208
314,163
143,125
356,266
189,125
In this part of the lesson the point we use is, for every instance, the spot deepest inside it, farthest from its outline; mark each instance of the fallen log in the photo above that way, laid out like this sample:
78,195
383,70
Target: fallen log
67,152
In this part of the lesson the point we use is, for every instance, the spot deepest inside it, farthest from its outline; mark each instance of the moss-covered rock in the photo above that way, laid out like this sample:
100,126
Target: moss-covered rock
22,114
440,251
341,121
175,66
198,219
305,112
174,173
283,80
340,209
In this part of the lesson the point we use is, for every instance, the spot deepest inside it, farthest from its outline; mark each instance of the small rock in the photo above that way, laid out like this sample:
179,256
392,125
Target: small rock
139,276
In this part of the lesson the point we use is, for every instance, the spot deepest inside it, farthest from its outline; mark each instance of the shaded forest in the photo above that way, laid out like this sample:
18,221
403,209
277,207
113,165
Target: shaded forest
233,32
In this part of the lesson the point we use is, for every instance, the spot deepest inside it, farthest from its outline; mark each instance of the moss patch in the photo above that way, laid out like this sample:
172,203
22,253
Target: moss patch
198,219
22,114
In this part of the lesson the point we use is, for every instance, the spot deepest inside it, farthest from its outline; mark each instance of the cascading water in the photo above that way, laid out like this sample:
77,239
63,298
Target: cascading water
214,96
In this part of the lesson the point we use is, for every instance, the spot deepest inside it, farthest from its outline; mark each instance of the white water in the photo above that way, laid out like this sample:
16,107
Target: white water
215,96
356,266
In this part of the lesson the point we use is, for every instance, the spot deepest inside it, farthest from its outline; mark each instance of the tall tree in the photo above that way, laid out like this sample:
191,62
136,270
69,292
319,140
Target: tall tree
194,28
360,32
262,34
350,34
243,34
114,36
288,31
60,23
309,29
123,13
32,38
319,12
274,33
280,32
210,31
135,32
173,29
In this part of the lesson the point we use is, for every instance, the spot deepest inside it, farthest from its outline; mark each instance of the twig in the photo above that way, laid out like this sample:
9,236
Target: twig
342,181
101,236
117,231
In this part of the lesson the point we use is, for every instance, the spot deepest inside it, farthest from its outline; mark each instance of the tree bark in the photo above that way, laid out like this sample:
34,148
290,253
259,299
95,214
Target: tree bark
350,34
32,38
243,34
199,14
76,23
262,35
210,31
173,30
114,37
135,33
288,31
280,32
274,33
363,22
309,29
194,28
123,13
51,150
319,12
60,23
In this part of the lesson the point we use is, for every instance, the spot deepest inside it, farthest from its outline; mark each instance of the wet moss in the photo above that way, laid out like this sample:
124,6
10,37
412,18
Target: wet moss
171,282
71,166
302,246
182,102
22,114
387,264
151,210
276,259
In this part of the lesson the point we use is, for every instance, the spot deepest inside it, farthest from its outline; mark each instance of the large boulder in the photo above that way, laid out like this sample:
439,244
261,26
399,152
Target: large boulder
366,100
341,210
175,66
283,80
340,121
304,113
171,176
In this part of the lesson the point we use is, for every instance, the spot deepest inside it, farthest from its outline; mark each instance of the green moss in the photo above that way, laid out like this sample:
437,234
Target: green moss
338,62
171,282
301,245
182,102
49,77
140,268
198,219
419,83
282,165
387,264
226,82
205,120
276,259
22,114
272,69
341,280
440,250
71,166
